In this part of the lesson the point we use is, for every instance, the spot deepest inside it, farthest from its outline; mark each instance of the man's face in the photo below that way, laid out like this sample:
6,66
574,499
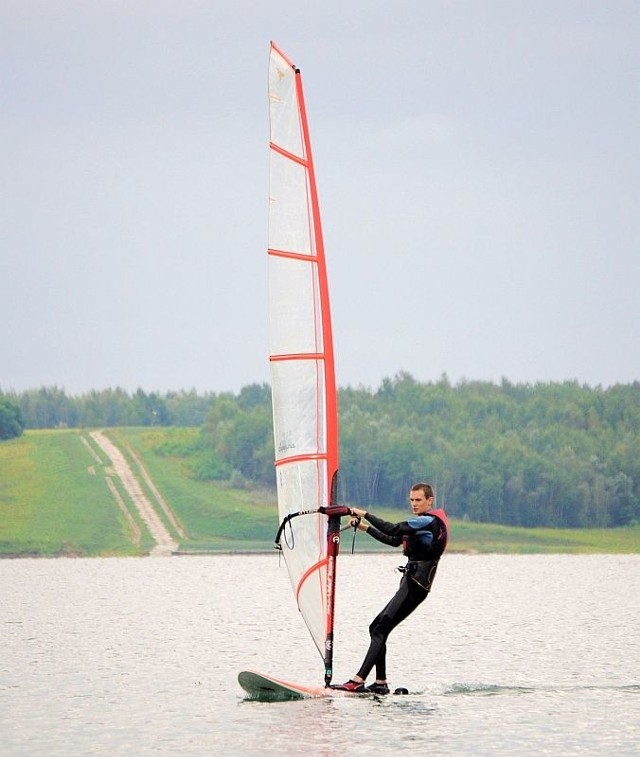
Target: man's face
419,503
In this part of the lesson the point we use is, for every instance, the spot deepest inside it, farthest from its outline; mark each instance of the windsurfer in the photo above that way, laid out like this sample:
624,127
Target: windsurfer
424,539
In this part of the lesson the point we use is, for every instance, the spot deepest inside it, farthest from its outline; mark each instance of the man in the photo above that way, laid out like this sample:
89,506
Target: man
424,539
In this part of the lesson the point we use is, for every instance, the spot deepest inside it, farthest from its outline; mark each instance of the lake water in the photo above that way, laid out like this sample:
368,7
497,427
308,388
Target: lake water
527,655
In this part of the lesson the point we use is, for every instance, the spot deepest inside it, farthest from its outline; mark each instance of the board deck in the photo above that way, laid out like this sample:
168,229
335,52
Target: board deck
260,686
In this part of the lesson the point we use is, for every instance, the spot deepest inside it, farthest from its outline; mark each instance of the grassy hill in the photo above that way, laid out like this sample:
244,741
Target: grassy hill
59,496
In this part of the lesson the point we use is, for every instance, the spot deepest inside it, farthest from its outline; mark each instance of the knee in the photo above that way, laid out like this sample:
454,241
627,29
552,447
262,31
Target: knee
379,627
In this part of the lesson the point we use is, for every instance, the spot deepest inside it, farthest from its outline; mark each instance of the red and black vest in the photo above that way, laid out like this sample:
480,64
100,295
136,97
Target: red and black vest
414,547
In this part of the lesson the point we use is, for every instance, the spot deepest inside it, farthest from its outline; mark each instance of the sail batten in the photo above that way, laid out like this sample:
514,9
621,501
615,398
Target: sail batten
299,458
301,355
292,156
293,255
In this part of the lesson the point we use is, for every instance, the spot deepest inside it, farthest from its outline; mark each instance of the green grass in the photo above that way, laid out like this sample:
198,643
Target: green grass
485,537
54,501
210,512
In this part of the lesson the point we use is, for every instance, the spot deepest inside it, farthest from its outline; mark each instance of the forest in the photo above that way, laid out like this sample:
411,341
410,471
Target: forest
544,454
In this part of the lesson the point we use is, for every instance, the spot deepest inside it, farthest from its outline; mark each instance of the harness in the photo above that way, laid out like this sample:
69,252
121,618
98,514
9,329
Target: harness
421,571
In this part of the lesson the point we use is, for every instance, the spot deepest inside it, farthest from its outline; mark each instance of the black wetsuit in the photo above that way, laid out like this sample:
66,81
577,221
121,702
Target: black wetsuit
424,538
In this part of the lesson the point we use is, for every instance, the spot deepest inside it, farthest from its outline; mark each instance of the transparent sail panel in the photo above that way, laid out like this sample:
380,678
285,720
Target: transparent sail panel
284,114
300,485
290,226
295,317
298,410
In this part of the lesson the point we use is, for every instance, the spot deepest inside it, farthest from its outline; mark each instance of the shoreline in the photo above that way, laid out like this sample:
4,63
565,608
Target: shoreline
229,552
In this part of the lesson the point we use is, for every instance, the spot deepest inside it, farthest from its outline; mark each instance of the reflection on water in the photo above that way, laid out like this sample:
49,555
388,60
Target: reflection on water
526,654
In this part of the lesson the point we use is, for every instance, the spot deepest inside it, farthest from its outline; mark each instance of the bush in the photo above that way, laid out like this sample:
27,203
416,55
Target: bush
11,421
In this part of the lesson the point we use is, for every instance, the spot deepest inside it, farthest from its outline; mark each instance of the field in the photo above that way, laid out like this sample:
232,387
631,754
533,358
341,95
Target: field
52,502
59,496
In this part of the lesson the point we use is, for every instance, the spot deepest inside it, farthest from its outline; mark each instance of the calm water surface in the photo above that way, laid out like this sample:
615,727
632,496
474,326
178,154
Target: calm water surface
528,655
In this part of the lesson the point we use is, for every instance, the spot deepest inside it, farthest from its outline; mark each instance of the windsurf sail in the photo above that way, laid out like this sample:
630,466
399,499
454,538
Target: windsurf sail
305,413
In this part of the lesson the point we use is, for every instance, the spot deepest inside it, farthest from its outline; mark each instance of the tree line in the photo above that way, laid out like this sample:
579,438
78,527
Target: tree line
52,407
547,454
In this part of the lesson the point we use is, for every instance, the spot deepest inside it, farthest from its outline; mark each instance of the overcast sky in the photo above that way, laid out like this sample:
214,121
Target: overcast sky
477,163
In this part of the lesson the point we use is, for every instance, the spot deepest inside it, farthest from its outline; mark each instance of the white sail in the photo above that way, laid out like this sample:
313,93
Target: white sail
301,351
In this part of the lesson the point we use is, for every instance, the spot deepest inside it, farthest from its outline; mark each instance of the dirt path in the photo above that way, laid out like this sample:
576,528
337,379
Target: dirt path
165,544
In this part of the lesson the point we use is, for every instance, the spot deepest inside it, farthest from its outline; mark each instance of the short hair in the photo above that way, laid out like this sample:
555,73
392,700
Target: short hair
426,488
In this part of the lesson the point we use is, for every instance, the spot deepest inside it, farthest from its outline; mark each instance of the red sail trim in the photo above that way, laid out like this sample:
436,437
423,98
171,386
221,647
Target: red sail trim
329,365
282,54
301,458
331,395
297,356
290,155
308,573
308,258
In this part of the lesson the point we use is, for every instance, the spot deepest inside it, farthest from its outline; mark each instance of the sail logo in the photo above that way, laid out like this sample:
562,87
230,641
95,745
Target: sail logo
286,443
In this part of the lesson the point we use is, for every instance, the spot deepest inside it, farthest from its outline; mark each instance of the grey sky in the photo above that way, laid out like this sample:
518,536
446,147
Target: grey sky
477,164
